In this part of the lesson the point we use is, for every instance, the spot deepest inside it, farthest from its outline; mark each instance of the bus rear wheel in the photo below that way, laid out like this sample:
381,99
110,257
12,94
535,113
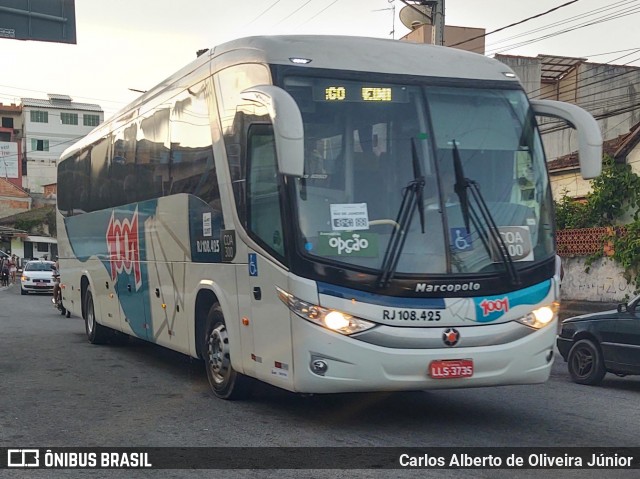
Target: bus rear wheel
96,333
225,382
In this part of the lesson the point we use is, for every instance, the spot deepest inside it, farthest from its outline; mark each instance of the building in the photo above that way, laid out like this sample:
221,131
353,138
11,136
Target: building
470,39
11,130
13,199
608,92
50,127
28,234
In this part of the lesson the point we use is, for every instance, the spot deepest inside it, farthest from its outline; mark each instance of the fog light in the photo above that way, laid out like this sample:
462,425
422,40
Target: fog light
319,367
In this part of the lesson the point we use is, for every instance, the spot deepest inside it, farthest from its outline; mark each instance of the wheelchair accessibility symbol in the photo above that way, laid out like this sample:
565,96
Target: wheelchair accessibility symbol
253,264
461,239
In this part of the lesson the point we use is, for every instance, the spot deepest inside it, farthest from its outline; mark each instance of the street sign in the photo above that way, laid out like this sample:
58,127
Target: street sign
41,20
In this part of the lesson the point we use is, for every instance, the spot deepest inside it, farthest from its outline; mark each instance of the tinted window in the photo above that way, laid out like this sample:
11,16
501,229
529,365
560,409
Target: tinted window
192,168
235,116
39,266
165,151
264,213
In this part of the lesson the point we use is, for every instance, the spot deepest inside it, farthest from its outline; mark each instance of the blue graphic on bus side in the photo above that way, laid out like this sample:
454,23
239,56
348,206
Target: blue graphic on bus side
491,308
116,236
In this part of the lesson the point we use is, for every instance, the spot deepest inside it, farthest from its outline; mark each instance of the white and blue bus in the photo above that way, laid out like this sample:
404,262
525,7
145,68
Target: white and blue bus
324,214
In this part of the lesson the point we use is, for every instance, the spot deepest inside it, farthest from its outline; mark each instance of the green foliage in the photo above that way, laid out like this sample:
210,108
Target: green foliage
572,214
37,221
50,219
614,193
626,248
27,225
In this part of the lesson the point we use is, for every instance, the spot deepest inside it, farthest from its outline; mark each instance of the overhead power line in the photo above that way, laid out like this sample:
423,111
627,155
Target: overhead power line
320,12
264,11
565,21
516,23
612,16
532,94
294,12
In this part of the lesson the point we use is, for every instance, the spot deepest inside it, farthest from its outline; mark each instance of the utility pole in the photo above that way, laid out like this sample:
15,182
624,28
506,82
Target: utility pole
430,10
438,21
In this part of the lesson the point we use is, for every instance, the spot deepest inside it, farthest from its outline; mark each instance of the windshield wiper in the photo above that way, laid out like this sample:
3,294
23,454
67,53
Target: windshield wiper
412,198
470,213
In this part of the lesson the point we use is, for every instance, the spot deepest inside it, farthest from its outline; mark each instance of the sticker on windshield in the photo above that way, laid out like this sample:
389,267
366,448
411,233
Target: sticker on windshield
517,240
349,217
461,239
348,244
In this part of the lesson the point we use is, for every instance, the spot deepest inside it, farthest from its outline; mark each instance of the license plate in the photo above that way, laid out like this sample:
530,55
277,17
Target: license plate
451,368
40,283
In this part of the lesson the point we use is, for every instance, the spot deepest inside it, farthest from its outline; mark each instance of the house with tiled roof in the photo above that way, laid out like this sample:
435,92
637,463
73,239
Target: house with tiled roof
565,170
607,91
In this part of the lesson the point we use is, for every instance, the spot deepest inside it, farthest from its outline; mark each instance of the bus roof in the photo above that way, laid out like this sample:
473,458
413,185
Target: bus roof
368,54
334,53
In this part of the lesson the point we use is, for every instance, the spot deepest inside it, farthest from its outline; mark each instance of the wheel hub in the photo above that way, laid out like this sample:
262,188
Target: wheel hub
583,362
218,354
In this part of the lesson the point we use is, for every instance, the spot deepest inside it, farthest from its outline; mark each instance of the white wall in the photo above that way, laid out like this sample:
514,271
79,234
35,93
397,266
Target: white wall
603,283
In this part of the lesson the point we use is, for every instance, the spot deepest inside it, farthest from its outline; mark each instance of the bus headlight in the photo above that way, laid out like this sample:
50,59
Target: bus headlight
540,317
337,321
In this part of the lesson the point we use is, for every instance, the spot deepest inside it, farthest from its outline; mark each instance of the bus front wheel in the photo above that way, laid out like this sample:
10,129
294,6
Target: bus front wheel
96,333
225,382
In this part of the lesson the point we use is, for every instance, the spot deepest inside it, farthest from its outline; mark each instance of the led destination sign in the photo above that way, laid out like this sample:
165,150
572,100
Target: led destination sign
354,92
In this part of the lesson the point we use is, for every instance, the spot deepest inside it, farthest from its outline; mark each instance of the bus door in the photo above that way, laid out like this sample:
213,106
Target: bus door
269,321
269,316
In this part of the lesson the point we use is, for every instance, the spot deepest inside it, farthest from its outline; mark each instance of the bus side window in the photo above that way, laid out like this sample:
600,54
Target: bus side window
264,213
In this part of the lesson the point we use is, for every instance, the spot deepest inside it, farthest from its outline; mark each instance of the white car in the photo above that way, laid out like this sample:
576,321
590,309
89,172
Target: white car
37,276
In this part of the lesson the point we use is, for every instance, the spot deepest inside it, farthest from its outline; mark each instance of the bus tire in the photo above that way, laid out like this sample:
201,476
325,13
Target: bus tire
96,333
225,382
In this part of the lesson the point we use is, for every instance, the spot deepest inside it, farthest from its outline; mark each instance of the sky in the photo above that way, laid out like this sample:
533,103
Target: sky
135,44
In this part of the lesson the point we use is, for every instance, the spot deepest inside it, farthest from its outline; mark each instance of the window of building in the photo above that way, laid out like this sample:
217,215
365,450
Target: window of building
38,116
7,122
39,145
90,120
69,118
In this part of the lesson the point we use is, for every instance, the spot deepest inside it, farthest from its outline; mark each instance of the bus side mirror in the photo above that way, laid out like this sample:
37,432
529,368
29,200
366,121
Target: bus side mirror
589,136
287,126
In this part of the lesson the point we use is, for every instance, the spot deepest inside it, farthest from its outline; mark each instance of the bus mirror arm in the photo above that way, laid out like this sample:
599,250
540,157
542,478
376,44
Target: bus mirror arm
287,126
589,136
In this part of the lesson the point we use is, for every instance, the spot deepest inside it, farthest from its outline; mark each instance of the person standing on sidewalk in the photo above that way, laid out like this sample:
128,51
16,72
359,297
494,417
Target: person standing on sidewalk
13,267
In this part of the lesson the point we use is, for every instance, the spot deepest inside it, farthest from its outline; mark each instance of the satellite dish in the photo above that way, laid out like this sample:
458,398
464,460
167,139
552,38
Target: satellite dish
412,19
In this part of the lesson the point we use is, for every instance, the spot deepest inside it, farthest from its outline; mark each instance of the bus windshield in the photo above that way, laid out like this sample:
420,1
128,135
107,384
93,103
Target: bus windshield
362,142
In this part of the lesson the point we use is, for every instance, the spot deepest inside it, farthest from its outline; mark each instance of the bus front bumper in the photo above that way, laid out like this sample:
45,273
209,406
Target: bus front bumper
327,362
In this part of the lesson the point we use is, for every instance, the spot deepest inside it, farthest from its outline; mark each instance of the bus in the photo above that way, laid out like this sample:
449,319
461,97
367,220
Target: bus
325,214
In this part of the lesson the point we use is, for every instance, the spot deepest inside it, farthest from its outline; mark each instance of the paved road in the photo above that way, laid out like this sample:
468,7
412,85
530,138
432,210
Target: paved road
59,390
